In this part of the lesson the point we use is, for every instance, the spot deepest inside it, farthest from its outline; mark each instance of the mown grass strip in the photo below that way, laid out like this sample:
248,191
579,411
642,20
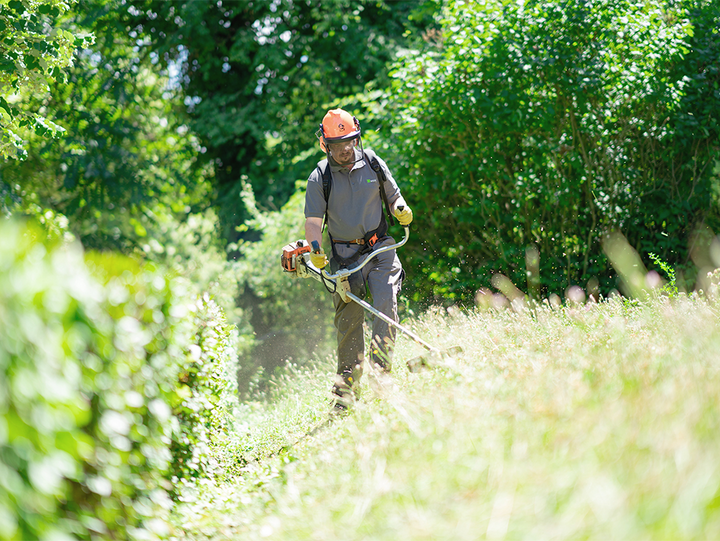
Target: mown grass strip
590,421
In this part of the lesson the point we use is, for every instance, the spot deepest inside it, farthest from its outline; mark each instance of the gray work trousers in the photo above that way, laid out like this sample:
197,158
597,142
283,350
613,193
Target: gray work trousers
383,276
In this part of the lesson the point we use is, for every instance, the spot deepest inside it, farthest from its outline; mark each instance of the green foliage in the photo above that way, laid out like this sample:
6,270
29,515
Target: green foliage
131,385
191,249
671,286
36,50
208,396
543,126
109,384
258,77
126,164
203,376
87,375
41,442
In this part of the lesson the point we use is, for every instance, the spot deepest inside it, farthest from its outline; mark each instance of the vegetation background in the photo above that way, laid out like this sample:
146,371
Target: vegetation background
154,160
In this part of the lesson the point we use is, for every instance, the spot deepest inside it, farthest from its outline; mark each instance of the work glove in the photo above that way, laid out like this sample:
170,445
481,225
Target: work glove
404,216
318,258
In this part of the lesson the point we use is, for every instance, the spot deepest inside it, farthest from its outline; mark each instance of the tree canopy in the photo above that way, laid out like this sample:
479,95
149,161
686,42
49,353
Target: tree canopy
125,159
538,128
258,77
35,50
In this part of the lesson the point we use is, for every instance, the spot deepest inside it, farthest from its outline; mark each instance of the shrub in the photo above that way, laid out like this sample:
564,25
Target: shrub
93,354
87,373
545,125
49,310
207,395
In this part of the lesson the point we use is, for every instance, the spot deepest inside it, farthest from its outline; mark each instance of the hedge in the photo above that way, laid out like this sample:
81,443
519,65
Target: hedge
208,392
95,358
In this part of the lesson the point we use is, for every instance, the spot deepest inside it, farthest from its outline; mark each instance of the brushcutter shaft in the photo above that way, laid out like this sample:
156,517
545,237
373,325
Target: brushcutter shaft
392,322
307,270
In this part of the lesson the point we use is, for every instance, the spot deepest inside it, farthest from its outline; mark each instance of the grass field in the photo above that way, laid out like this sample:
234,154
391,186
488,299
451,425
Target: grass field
590,421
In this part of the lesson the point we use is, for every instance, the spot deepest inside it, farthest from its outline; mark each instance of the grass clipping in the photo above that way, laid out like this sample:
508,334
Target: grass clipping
595,420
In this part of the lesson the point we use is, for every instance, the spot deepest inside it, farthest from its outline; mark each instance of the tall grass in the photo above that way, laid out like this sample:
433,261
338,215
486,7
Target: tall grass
595,421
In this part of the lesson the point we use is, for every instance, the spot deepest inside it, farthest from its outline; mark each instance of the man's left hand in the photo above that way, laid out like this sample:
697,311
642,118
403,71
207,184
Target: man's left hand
404,216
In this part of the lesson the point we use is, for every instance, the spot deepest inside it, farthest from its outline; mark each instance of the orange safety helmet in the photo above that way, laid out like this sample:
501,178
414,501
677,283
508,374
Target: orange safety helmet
337,125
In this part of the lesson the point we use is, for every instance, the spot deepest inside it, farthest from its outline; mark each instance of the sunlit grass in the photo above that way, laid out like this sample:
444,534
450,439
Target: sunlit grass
589,421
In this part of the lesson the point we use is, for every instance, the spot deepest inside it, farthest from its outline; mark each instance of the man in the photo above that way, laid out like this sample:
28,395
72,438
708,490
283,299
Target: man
359,185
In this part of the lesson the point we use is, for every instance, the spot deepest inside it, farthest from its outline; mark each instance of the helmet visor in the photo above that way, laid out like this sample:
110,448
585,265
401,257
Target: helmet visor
343,151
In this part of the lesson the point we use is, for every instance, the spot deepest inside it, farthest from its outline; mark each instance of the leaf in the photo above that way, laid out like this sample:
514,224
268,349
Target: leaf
40,129
17,6
32,62
4,105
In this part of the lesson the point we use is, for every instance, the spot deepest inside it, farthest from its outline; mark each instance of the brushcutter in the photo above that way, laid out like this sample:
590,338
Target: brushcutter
296,258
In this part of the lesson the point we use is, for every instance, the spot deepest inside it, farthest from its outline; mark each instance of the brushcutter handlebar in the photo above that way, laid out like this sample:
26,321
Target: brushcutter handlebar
347,272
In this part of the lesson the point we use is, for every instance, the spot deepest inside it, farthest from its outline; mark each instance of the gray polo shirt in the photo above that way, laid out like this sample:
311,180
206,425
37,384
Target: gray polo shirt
355,206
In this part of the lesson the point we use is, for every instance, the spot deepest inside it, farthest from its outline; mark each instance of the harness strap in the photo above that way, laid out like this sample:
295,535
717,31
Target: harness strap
371,241
371,237
345,262
371,158
375,165
327,184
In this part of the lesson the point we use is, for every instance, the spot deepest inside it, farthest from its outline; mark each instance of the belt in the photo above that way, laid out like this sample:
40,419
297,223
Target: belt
354,241
362,242
370,242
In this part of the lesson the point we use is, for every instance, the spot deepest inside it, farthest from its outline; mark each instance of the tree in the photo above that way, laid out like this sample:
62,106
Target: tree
125,161
258,76
35,50
543,126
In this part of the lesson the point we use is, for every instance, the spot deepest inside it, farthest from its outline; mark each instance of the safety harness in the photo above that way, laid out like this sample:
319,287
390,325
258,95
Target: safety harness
371,237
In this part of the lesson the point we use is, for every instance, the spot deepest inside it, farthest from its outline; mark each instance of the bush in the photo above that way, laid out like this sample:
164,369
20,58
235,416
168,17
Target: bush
49,311
208,396
190,249
539,127
84,394
93,354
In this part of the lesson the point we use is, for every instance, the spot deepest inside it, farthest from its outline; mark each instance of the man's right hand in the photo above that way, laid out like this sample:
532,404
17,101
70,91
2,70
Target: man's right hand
318,258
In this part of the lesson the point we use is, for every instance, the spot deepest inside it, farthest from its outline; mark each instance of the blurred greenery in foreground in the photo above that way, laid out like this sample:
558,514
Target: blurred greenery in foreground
576,421
118,387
